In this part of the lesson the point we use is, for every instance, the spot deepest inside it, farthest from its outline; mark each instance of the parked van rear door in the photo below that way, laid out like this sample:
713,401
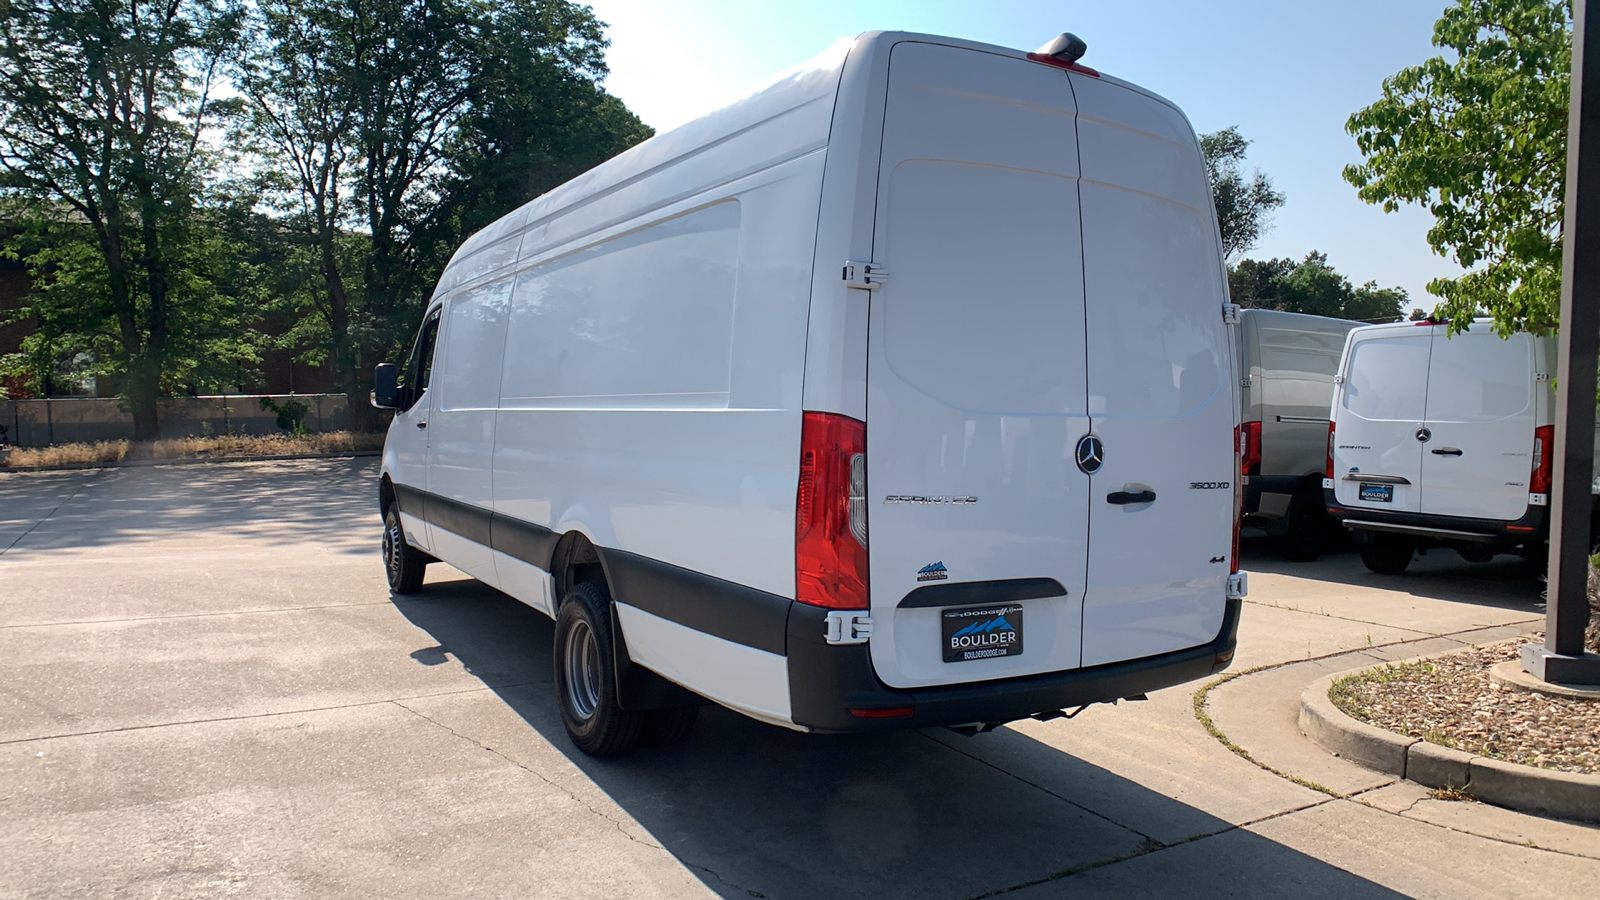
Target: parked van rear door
1479,418
1377,457
976,392
1160,379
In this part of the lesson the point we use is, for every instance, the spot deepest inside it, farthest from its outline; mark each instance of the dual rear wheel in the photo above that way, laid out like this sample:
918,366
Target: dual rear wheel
586,683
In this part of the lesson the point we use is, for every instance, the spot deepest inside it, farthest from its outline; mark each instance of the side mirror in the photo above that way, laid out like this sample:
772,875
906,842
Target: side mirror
386,386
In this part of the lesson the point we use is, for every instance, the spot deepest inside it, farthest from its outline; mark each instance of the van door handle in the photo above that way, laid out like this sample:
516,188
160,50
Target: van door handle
422,423
1446,451
1123,498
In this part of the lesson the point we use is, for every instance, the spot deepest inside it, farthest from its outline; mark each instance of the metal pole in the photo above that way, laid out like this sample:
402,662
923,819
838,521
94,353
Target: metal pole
1561,658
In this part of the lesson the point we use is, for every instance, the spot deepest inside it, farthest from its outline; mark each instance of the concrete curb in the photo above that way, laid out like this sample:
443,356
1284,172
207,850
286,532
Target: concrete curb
1564,795
188,461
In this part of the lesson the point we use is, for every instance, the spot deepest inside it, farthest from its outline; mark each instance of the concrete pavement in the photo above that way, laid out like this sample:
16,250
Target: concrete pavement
208,690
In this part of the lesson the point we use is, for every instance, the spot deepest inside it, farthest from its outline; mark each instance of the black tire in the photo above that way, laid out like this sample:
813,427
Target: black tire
665,727
1388,554
1308,526
586,675
403,564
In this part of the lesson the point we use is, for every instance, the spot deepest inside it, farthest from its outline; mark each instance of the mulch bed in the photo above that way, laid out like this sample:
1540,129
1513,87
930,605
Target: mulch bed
1449,700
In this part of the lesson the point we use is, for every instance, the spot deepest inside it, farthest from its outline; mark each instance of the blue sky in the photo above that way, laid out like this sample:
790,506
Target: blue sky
1288,73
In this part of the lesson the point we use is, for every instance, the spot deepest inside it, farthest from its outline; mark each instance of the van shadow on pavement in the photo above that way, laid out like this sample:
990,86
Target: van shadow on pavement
757,811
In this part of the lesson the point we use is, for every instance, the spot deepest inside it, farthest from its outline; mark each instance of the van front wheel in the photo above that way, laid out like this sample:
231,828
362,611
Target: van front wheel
403,564
1388,554
586,680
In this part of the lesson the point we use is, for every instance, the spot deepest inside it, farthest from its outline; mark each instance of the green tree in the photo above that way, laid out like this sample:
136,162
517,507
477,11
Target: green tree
1478,137
1244,203
1311,286
412,123
103,104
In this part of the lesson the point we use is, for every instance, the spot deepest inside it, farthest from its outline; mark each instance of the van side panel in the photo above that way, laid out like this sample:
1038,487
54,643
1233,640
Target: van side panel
652,389
1298,357
461,428
1161,375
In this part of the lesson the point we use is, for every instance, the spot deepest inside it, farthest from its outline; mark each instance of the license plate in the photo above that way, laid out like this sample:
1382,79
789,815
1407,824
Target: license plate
981,632
1377,493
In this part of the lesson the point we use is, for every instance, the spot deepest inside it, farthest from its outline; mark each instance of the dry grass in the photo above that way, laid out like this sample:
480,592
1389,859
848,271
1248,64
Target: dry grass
227,447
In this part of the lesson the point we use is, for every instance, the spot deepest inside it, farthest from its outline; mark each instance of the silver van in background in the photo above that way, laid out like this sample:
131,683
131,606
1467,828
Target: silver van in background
1287,363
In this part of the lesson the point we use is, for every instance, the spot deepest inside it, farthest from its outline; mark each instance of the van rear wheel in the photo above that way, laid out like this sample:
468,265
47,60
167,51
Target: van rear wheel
1388,554
403,564
586,675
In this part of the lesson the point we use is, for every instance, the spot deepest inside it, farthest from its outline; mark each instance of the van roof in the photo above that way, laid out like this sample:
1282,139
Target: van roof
811,81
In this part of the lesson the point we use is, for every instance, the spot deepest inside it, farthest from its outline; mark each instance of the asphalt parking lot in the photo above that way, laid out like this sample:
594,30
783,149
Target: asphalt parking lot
208,691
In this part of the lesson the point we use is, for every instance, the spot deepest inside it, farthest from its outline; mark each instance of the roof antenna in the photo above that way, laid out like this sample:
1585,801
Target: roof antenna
1069,48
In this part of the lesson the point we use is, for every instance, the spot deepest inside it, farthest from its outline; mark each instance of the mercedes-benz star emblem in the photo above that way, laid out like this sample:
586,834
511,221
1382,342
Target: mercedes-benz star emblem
1424,435
1091,453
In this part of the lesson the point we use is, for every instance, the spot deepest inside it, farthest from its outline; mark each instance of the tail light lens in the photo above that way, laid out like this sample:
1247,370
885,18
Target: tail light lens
830,511
1544,443
1328,472
1239,440
1251,449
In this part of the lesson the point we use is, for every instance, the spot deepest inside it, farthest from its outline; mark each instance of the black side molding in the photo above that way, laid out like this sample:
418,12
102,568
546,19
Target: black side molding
730,611
525,541
974,593
719,608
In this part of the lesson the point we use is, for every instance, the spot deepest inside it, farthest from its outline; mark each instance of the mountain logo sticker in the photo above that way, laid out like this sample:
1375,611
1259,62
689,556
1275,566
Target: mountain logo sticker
933,572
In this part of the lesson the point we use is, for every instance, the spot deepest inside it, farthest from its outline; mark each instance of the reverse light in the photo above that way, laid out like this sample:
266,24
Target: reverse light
1544,442
830,511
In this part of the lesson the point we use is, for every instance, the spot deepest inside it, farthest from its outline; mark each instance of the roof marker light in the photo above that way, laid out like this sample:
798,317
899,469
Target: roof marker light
1064,53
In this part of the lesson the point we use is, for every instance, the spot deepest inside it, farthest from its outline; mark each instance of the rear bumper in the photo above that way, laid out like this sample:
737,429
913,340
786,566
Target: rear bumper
1534,524
827,681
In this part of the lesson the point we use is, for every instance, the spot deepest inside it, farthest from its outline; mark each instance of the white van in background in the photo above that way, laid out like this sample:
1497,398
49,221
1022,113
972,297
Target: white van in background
896,394
1287,362
1442,441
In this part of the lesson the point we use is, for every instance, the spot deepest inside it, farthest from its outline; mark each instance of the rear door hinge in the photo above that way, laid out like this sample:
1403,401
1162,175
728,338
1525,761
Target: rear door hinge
848,627
864,276
1230,313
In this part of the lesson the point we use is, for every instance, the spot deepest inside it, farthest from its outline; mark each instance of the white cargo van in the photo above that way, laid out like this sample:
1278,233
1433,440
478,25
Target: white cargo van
1442,441
896,394
1286,366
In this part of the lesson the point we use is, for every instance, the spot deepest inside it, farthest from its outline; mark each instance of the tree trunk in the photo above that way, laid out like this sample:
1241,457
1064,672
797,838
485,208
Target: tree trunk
143,391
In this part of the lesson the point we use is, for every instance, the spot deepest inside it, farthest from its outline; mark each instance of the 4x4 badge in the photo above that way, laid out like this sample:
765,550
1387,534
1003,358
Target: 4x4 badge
1091,453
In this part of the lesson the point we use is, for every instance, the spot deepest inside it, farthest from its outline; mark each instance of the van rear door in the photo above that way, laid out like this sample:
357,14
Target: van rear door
1480,417
976,384
1377,457
1160,378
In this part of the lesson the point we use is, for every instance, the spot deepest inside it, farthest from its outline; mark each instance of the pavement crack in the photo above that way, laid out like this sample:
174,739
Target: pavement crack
265,715
615,822
1039,787
46,517
1328,615
205,615
1148,847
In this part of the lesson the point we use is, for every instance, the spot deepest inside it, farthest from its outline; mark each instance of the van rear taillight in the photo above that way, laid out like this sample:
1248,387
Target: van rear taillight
830,511
1544,442
1328,472
1251,449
